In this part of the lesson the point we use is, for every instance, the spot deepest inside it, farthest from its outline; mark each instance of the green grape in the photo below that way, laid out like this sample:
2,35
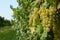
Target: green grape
32,19
47,15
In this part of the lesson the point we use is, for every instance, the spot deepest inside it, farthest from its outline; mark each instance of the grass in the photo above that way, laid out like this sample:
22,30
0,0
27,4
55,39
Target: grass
7,33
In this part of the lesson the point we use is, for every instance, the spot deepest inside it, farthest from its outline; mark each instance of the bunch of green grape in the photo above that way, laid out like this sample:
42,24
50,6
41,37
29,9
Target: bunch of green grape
48,17
32,19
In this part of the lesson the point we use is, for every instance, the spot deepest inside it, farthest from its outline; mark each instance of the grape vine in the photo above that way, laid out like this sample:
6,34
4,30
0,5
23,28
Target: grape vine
35,19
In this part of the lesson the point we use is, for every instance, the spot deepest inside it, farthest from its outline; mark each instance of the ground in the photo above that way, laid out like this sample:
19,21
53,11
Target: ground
7,33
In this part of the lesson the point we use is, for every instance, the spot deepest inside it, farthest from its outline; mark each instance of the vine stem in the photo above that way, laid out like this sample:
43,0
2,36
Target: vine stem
56,3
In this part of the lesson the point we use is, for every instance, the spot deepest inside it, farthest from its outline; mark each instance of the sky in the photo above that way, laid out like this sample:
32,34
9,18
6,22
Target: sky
5,10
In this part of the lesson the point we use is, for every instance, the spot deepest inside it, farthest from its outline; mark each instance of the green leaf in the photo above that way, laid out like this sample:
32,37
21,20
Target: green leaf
39,29
59,5
44,35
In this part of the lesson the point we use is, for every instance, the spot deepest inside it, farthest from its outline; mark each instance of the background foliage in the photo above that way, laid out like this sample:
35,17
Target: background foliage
4,22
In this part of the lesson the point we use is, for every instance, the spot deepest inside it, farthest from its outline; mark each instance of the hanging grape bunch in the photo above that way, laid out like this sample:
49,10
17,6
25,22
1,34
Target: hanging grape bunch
47,15
32,19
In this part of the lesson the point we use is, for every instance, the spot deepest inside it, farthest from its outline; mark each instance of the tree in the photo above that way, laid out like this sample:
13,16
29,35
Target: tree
4,22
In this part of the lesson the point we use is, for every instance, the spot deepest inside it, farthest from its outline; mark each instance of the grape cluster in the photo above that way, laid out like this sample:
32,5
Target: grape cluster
32,19
48,17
